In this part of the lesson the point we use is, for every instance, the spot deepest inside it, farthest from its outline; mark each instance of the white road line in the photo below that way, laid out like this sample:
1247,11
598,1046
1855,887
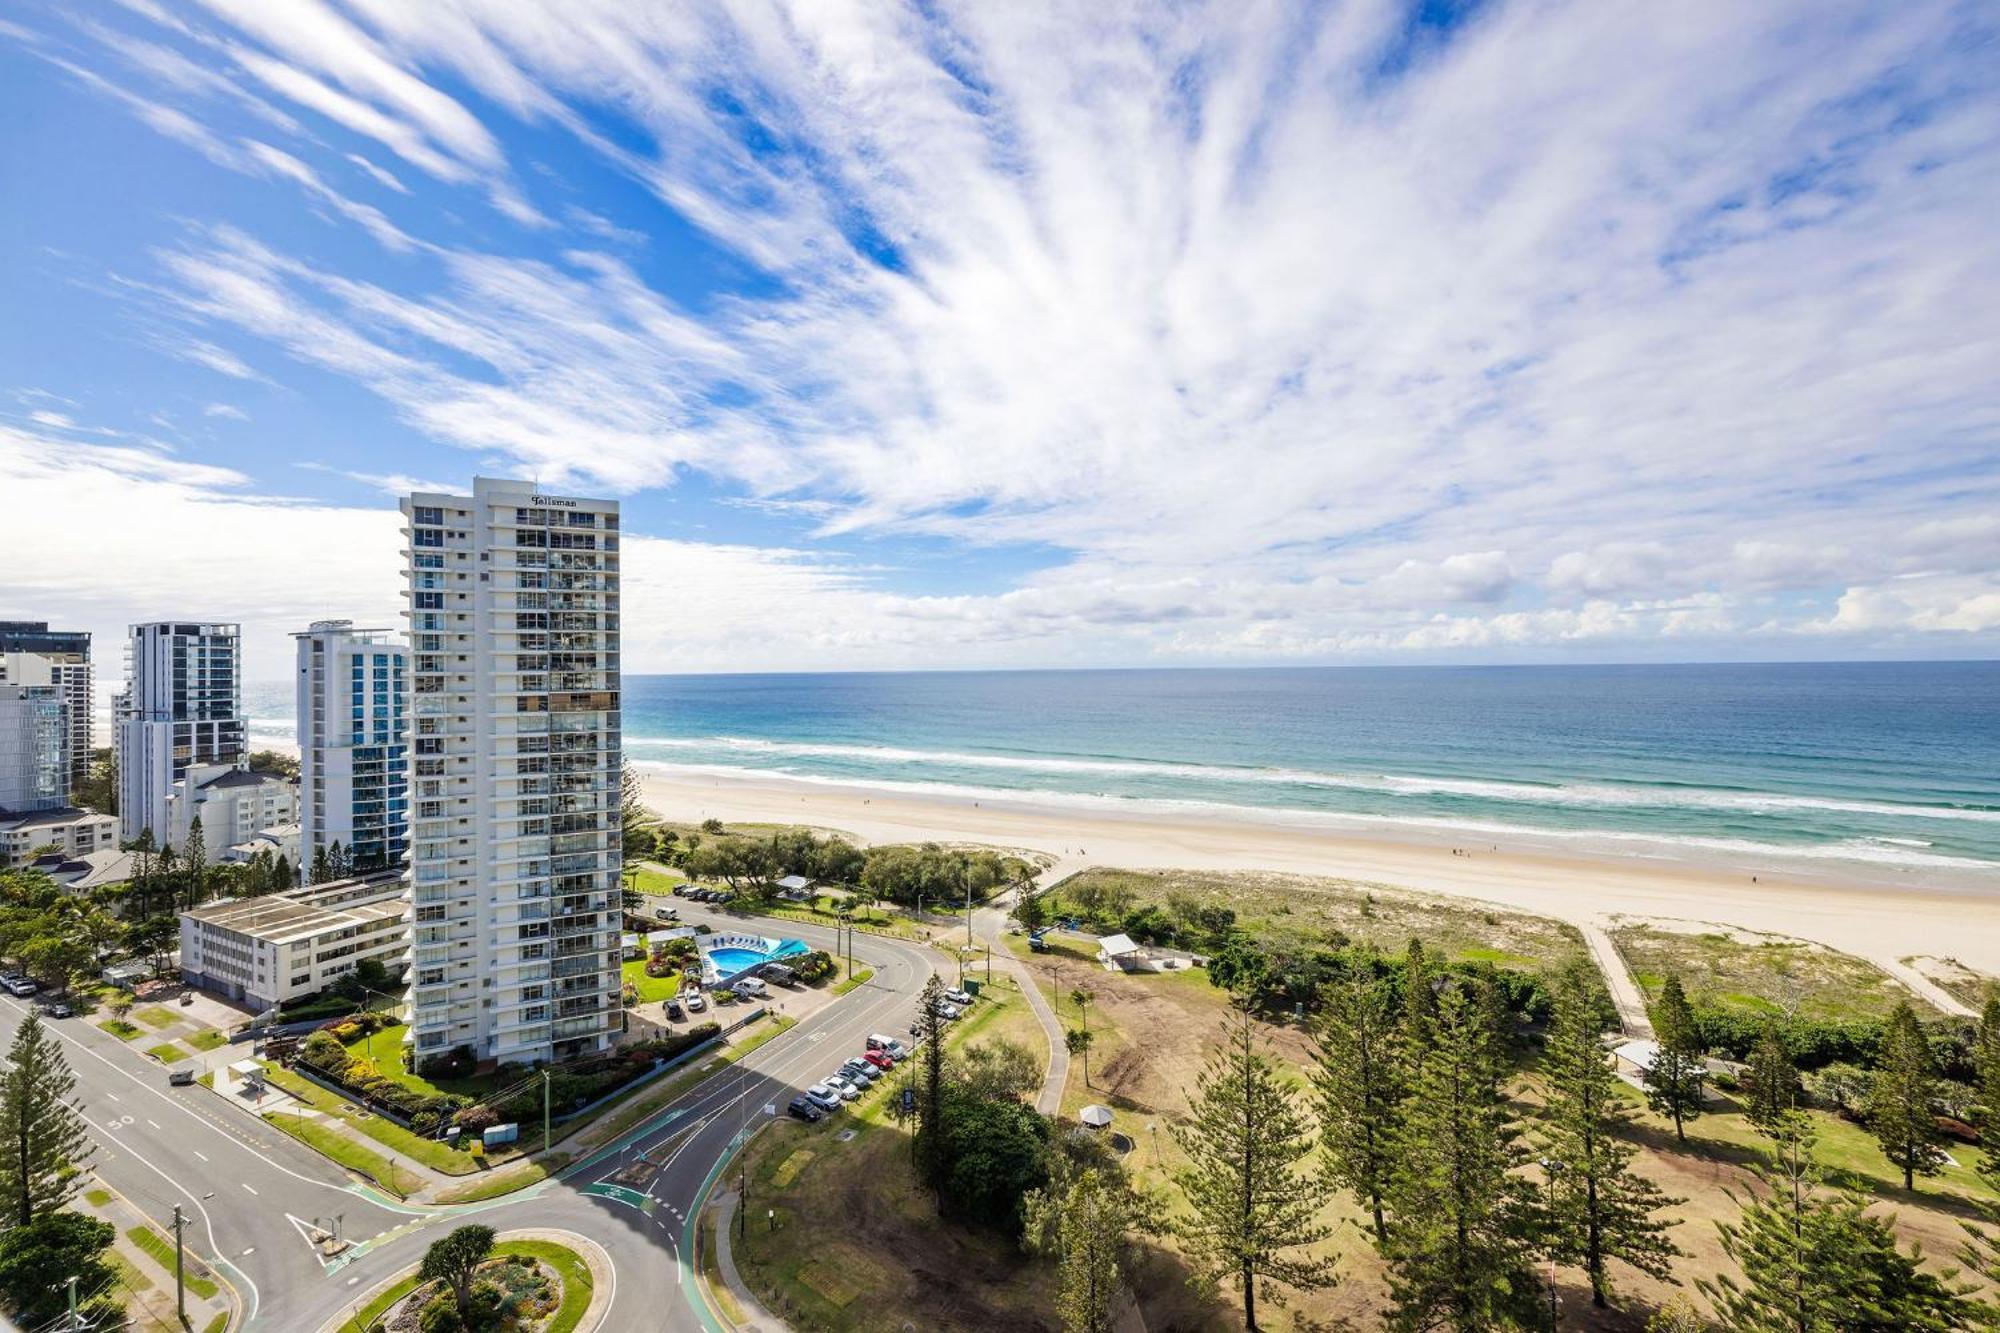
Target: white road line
246,1186
199,1153
154,1123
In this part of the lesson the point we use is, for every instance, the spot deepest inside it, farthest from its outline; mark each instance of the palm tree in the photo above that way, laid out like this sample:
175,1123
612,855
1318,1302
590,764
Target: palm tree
1077,1041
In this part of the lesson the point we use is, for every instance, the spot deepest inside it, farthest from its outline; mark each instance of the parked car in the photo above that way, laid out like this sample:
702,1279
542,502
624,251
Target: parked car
889,1046
824,1097
846,1087
21,987
681,890
804,1110
180,1078
695,1003
854,1067
58,1010
674,1010
949,1012
880,1059
958,997
751,989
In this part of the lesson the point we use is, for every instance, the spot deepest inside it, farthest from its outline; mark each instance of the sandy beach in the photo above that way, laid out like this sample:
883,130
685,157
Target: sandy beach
1881,923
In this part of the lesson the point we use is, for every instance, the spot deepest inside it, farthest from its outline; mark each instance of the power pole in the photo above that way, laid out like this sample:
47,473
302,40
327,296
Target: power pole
545,1112
73,1325
180,1273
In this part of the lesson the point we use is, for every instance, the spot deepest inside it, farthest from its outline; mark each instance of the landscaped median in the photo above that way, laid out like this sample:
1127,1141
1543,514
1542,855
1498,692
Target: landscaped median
545,1281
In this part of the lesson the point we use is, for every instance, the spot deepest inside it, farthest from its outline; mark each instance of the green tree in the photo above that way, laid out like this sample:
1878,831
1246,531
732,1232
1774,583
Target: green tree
58,959
1598,1209
637,820
319,873
38,1260
274,761
1986,1071
99,791
1084,1226
1030,911
454,1260
1817,1262
1360,1083
1248,1183
339,865
1901,1097
932,1150
1770,1081
282,875
996,1153
997,1070
194,865
1674,1079
43,1145
1078,1041
1678,1315
1460,1219
1419,999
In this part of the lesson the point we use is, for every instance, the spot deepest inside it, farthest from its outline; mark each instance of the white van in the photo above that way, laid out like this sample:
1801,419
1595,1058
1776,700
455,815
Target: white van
751,989
889,1046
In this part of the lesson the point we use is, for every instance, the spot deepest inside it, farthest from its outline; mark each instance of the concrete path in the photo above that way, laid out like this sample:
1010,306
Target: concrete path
1937,996
1625,993
990,925
757,1318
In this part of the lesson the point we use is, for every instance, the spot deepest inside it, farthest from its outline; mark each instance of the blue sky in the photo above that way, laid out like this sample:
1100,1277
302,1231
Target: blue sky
940,335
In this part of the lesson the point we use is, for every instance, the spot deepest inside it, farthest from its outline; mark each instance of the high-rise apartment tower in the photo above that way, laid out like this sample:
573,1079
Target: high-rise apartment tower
183,704
353,693
67,653
515,846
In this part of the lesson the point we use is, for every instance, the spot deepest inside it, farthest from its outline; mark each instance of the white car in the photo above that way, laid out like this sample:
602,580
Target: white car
949,1012
695,1003
847,1090
823,1096
958,997
889,1046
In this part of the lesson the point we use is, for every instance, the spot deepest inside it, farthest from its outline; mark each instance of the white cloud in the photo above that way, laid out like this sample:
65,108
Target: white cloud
228,410
1592,326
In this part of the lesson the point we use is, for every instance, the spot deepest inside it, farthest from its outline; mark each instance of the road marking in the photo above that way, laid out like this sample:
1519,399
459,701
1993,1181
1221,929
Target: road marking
246,1186
247,1253
113,1096
199,1153
154,1123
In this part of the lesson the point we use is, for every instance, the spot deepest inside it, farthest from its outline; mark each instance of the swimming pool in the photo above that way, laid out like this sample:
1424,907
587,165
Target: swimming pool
724,956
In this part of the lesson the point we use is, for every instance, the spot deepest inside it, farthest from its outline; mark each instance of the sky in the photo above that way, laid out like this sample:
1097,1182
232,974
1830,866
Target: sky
960,334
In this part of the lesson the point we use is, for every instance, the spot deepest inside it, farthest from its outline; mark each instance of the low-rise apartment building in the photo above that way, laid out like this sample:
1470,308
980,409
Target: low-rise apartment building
71,831
285,946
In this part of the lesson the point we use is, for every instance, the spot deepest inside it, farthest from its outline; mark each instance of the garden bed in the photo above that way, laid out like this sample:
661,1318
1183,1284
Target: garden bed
542,1287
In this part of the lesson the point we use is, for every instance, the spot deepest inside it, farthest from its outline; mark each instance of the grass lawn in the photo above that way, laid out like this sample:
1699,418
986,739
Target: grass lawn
135,1281
860,978
496,1183
1761,974
1375,914
387,1046
652,990
331,1143
219,1324
161,1250
120,1029
568,1264
156,1016
207,1040
657,880
432,1153
166,1052
97,1198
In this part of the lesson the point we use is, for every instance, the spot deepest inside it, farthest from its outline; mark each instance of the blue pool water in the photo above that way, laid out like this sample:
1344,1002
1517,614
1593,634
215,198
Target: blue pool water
729,960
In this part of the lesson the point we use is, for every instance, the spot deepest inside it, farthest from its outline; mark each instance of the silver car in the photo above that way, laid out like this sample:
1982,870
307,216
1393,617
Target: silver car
845,1087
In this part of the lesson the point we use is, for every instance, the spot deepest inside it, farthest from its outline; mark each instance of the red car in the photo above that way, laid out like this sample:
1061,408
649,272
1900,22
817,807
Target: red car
878,1059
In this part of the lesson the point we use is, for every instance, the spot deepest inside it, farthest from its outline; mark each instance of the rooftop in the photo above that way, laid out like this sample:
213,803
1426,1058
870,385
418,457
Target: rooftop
296,914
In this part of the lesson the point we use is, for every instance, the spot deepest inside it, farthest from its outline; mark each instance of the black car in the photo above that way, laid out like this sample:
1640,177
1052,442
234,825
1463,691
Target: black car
804,1110
674,1010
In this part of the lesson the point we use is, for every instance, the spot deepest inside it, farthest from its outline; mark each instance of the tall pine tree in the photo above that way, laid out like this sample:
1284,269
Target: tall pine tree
1986,1070
932,1149
1674,1079
43,1144
1460,1220
1598,1209
1901,1097
1419,999
1082,1221
1770,1081
194,864
1248,1180
1360,1082
1815,1262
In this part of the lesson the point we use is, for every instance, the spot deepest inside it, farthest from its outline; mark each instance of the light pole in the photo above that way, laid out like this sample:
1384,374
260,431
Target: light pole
180,1279
545,1113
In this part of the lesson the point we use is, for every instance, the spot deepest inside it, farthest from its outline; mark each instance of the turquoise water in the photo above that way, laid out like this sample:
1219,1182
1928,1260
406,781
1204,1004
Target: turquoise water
1890,767
729,961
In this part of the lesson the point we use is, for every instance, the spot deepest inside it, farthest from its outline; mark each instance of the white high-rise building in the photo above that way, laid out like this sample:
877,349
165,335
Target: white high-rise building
65,657
34,749
515,846
354,733
183,705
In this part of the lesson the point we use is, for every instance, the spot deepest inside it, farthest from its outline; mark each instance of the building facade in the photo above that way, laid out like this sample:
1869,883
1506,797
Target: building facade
34,749
354,778
515,846
182,706
234,805
285,946
71,831
67,653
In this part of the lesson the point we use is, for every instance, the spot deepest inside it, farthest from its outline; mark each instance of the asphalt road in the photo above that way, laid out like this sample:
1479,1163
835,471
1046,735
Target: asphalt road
249,1190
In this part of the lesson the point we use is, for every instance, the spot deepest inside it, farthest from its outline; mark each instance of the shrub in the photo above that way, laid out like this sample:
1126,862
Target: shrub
475,1119
1841,1086
815,966
457,1062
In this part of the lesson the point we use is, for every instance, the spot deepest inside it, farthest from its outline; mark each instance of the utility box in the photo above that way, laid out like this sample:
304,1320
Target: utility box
498,1134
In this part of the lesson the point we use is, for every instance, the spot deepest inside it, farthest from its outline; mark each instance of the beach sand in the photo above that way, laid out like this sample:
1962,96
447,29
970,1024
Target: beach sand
1882,923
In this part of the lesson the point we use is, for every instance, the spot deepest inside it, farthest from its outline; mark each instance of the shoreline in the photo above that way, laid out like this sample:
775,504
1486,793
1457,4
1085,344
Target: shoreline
1916,915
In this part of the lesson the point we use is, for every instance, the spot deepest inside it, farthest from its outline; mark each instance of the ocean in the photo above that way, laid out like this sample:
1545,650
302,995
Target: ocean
1891,767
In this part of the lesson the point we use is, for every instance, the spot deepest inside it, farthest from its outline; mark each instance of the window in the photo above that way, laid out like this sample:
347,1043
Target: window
426,514
427,537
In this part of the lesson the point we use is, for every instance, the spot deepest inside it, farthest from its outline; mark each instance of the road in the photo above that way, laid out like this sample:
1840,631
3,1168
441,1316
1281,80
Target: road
250,1190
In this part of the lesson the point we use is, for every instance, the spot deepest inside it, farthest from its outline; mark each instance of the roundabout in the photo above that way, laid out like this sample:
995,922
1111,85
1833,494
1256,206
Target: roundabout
532,1281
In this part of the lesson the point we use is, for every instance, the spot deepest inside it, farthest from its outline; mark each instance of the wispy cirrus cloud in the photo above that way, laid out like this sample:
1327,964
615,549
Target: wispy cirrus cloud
1295,333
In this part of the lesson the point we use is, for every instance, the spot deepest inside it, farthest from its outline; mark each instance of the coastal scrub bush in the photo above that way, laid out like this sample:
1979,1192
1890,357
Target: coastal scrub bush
1844,1087
815,966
